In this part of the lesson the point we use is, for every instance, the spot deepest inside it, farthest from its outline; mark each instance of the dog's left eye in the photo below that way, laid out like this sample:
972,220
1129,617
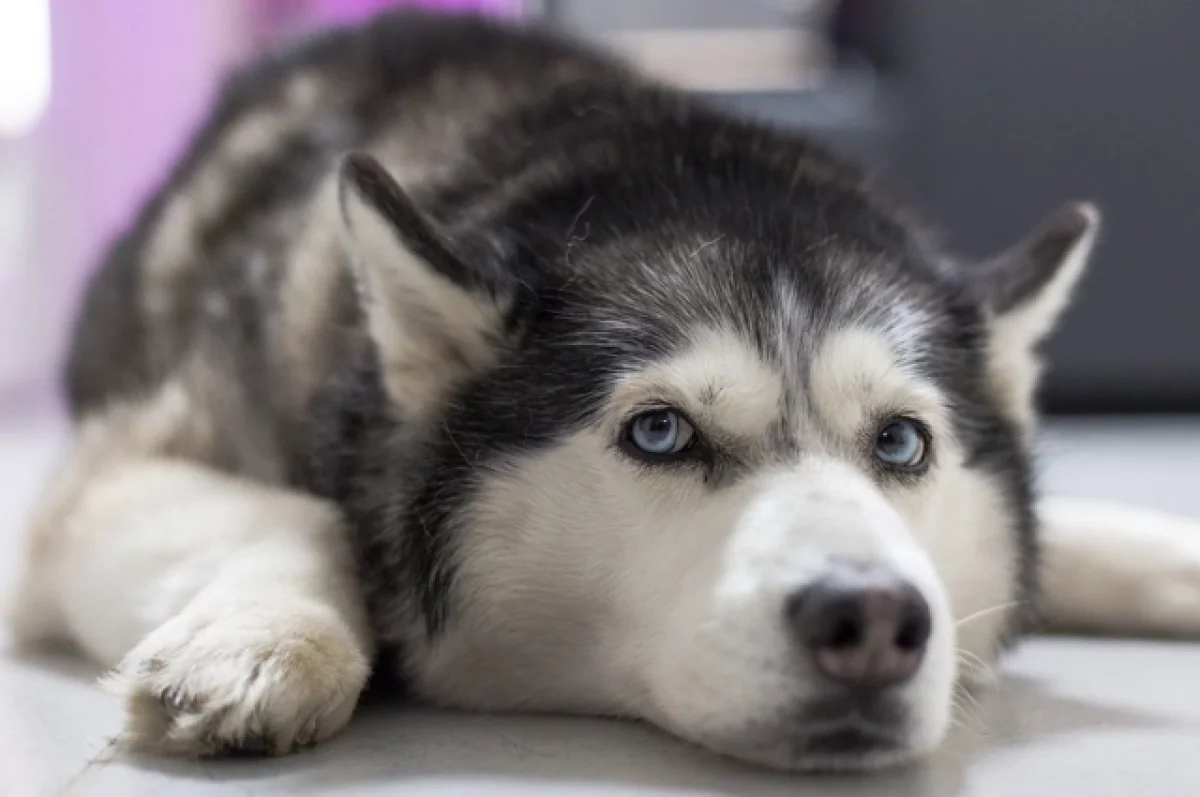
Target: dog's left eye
659,434
902,444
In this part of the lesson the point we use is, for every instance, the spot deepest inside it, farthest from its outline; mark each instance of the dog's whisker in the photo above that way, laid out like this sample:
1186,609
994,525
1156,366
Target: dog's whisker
977,664
973,714
985,612
978,672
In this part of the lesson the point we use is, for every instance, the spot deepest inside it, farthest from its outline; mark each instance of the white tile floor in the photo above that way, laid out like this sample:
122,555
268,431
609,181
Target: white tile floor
1071,718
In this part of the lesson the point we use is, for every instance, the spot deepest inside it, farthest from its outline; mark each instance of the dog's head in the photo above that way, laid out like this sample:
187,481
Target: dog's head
706,435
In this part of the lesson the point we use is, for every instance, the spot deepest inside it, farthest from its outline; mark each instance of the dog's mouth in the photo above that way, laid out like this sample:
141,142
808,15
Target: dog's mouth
847,748
852,733
834,736
851,747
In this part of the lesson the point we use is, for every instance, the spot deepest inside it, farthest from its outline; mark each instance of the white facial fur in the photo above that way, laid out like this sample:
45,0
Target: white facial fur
594,584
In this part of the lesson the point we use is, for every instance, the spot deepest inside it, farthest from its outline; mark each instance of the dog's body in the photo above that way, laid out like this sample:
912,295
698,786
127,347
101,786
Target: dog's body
407,409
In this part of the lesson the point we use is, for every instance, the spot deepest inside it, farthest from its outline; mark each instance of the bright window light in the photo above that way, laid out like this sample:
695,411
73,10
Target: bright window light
24,64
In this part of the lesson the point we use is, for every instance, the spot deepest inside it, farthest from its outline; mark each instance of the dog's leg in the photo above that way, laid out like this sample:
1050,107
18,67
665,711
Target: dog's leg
1116,569
227,606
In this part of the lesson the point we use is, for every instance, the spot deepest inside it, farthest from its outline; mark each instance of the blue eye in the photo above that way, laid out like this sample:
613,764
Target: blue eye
660,433
902,444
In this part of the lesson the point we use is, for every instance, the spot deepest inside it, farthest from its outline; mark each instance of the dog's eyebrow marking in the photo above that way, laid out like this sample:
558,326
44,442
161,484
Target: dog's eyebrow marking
719,377
856,373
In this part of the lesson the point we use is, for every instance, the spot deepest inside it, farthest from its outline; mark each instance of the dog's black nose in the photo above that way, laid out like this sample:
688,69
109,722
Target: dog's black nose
865,627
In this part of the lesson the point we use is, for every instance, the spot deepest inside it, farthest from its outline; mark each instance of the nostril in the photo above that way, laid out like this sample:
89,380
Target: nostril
915,624
909,636
840,630
844,632
825,616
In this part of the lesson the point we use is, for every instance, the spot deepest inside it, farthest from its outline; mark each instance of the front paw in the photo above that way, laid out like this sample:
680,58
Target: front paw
254,680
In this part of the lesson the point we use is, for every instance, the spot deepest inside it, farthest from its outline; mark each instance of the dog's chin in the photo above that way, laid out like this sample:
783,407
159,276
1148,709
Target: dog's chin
851,749
854,739
844,749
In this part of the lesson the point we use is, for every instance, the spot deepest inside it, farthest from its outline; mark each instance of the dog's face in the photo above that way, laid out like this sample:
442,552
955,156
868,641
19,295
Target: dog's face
739,456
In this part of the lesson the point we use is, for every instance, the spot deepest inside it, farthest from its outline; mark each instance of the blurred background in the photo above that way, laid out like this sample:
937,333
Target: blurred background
985,114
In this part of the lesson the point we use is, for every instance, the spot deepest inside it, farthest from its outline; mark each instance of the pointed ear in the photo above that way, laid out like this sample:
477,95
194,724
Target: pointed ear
1031,284
1026,290
435,314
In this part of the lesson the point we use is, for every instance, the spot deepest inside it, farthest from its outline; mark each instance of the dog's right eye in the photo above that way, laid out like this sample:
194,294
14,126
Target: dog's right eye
659,434
902,444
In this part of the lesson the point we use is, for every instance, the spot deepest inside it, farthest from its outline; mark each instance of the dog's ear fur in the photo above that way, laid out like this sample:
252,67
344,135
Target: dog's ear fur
1026,289
434,314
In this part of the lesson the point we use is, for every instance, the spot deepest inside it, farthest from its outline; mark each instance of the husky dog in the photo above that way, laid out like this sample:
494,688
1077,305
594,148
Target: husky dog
463,354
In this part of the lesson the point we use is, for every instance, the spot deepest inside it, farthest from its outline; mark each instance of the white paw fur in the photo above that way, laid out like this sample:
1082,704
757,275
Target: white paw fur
251,679
1120,569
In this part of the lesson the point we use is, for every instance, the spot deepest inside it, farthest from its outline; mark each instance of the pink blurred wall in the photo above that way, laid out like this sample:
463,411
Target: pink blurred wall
130,78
